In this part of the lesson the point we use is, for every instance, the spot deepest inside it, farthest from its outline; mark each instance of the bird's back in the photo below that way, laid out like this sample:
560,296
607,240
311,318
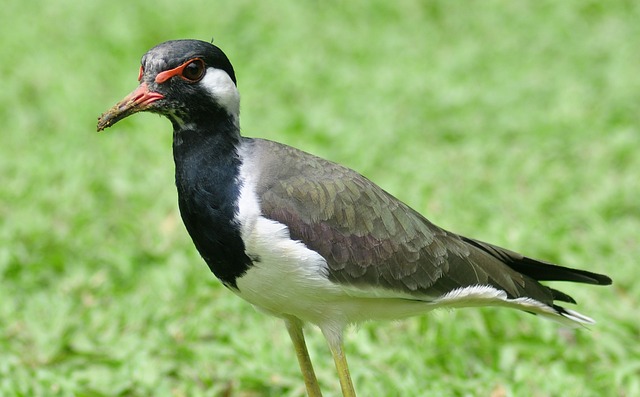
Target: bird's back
372,241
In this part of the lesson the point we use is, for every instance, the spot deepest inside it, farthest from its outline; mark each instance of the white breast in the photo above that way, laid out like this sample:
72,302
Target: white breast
287,278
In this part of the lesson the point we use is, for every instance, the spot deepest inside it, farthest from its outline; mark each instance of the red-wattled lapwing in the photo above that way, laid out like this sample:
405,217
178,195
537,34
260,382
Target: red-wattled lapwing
309,240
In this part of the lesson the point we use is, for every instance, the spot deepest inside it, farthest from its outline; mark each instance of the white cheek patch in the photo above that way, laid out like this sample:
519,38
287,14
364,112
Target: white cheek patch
220,86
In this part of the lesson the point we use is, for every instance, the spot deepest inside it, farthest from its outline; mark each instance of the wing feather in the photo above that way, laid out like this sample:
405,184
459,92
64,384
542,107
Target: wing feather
371,239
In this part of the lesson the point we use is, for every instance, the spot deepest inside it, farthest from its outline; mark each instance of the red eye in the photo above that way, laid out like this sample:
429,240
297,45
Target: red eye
194,70
190,71
140,73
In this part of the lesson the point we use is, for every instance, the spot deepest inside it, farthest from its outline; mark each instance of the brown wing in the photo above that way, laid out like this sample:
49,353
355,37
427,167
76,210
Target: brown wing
371,239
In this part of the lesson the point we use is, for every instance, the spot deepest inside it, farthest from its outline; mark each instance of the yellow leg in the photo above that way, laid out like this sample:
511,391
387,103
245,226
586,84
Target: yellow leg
337,350
294,326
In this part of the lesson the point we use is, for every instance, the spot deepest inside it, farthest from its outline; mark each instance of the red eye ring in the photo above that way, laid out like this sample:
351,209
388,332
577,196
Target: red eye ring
193,70
140,73
186,71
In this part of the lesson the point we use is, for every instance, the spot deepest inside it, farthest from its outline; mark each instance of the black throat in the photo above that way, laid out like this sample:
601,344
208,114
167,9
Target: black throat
207,169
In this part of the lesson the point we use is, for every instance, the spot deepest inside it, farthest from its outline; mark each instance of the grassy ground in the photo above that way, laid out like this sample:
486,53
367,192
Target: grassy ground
512,122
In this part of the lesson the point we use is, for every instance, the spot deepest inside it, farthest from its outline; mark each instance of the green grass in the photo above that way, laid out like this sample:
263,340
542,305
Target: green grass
512,122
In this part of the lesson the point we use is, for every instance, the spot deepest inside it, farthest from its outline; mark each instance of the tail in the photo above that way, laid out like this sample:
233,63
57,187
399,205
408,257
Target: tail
543,271
537,269
486,295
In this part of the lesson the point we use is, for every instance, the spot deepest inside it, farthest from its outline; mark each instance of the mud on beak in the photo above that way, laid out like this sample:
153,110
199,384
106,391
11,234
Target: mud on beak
139,100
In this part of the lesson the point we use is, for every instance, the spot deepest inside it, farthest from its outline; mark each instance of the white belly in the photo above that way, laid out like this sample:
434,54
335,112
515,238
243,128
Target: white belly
285,275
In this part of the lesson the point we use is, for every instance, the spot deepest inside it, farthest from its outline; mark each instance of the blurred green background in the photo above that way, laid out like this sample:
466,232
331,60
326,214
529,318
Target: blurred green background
509,121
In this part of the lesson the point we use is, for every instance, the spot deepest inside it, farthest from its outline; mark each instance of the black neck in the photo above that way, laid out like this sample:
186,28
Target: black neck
207,169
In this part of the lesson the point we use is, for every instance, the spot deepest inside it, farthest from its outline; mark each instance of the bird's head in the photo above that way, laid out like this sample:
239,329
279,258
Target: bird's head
185,80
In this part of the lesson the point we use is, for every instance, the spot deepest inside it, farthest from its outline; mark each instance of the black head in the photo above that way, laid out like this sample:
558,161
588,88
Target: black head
172,54
186,80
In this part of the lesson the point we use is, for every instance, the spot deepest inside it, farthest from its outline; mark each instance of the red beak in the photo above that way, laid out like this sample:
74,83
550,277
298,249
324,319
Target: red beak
139,100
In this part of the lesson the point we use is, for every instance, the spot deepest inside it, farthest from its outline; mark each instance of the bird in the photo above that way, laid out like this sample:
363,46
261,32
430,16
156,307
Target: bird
309,240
